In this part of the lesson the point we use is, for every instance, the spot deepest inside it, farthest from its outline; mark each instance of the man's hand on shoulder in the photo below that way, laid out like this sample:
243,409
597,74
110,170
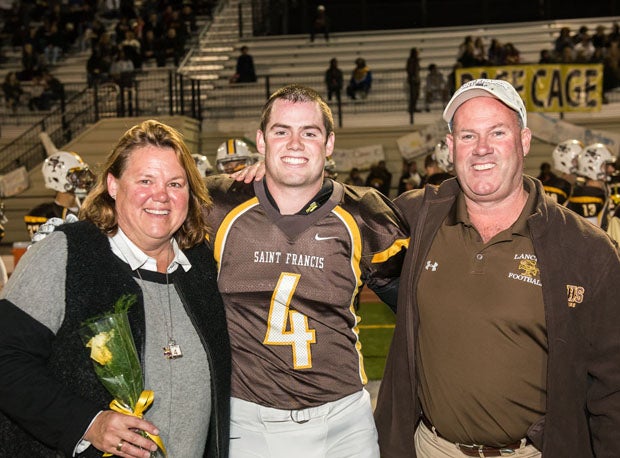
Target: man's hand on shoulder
254,172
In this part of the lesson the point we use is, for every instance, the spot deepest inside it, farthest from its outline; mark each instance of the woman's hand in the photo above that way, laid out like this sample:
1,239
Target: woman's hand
115,433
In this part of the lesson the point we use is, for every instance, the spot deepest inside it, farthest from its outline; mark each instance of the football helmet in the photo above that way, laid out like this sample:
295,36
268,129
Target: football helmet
441,154
233,155
565,156
203,164
66,172
592,161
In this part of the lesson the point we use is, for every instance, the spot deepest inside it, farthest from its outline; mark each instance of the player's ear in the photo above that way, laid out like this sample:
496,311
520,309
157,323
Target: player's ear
260,142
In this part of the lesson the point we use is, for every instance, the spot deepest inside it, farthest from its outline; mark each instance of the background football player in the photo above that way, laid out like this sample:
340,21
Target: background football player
234,155
68,175
203,164
590,198
564,158
437,165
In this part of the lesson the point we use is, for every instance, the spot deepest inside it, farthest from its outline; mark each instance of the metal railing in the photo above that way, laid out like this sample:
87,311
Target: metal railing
152,94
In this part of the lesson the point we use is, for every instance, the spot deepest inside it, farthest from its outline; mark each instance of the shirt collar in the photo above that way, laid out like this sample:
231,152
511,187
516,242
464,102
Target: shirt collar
520,225
126,250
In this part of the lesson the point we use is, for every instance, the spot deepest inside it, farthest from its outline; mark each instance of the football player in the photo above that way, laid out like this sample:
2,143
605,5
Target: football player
564,157
437,165
203,164
68,175
293,252
589,196
233,155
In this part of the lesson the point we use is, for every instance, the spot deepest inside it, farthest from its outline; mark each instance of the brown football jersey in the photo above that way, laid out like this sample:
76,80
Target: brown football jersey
289,283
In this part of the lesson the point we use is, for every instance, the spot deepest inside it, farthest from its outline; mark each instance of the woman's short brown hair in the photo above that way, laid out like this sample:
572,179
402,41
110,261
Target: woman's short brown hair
99,207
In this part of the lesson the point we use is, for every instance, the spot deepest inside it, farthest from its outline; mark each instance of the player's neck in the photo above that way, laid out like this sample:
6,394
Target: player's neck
291,199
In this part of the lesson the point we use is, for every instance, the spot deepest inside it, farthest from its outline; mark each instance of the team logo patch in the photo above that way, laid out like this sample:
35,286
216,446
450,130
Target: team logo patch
528,270
574,295
431,265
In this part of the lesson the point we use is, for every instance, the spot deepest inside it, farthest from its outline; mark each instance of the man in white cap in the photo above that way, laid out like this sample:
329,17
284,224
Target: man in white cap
506,339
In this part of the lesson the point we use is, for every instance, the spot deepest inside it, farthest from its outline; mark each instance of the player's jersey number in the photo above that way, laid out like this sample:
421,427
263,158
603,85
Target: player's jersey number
289,327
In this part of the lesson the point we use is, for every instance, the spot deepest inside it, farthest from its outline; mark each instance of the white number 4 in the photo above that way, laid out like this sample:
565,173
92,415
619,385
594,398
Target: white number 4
281,318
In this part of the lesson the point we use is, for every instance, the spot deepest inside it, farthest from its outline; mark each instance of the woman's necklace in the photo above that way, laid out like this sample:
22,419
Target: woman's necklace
172,350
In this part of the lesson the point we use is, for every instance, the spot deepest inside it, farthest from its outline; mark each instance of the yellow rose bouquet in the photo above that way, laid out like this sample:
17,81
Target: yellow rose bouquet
116,363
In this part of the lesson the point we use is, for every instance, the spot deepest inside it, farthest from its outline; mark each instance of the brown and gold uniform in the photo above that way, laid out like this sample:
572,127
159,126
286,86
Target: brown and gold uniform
290,282
589,202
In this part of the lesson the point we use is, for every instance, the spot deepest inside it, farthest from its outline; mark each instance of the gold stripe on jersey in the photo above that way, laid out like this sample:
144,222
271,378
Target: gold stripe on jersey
356,238
35,219
555,190
222,232
586,200
391,251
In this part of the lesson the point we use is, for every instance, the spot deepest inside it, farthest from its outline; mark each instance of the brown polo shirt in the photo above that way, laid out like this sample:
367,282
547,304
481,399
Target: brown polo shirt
482,342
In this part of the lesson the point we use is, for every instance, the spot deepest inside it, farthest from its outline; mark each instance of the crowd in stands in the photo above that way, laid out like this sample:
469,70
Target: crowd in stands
583,46
115,32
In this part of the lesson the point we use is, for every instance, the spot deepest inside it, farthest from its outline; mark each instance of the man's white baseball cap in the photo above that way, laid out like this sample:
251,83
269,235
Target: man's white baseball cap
499,89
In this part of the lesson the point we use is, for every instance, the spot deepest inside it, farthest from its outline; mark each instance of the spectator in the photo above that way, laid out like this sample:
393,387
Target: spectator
380,178
467,55
12,89
333,80
545,174
567,56
171,46
320,24
466,44
451,80
480,53
52,90
563,41
546,57
122,70
512,56
244,71
132,48
413,79
97,68
55,44
614,34
361,80
188,16
584,49
436,171
599,39
354,178
581,34
495,54
410,178
31,63
149,46
435,88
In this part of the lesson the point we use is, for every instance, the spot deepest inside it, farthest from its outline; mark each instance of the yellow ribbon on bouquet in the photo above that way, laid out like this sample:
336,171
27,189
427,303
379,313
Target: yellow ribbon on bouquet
145,400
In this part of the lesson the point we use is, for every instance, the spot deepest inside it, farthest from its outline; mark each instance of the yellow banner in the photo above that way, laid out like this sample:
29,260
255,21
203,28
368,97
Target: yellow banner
548,87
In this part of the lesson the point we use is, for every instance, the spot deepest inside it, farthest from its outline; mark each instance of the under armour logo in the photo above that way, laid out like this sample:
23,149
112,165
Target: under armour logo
431,266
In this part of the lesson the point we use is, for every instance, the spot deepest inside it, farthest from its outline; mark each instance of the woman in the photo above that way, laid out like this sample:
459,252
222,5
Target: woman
142,233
